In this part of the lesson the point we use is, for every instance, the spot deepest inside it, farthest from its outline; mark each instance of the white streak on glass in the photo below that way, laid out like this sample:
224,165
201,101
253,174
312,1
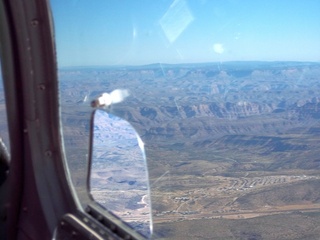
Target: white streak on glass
176,20
218,48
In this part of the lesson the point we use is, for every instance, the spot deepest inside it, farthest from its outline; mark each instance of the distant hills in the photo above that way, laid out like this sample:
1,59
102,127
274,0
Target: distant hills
228,144
227,65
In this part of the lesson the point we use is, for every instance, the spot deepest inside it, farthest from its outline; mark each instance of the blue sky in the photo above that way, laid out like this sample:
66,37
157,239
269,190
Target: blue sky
129,32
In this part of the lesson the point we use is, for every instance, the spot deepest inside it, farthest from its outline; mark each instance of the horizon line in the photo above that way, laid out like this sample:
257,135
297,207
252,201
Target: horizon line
186,63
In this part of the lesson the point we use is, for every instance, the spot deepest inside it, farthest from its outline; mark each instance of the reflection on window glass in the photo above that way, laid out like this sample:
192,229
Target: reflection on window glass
75,117
118,175
224,94
4,133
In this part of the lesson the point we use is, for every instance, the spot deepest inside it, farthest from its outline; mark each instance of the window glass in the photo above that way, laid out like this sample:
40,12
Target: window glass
4,133
225,97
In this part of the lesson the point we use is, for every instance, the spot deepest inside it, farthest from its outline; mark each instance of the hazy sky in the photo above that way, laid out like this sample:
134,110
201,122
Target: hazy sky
135,32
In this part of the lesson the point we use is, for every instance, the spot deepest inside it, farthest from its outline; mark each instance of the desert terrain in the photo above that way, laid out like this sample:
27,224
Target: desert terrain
232,148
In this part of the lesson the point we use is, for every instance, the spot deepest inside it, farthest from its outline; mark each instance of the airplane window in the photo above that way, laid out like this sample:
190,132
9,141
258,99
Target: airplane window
225,96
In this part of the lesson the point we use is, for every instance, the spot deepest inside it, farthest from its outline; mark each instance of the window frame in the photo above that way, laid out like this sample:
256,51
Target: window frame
41,201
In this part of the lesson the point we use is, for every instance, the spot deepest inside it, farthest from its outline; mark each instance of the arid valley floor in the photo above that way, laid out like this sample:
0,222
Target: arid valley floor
232,148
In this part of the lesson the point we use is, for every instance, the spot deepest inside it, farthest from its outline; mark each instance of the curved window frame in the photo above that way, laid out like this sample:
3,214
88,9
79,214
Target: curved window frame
39,181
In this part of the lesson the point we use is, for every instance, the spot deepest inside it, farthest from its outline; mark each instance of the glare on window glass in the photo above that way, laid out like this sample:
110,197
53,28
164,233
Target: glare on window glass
4,133
225,96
